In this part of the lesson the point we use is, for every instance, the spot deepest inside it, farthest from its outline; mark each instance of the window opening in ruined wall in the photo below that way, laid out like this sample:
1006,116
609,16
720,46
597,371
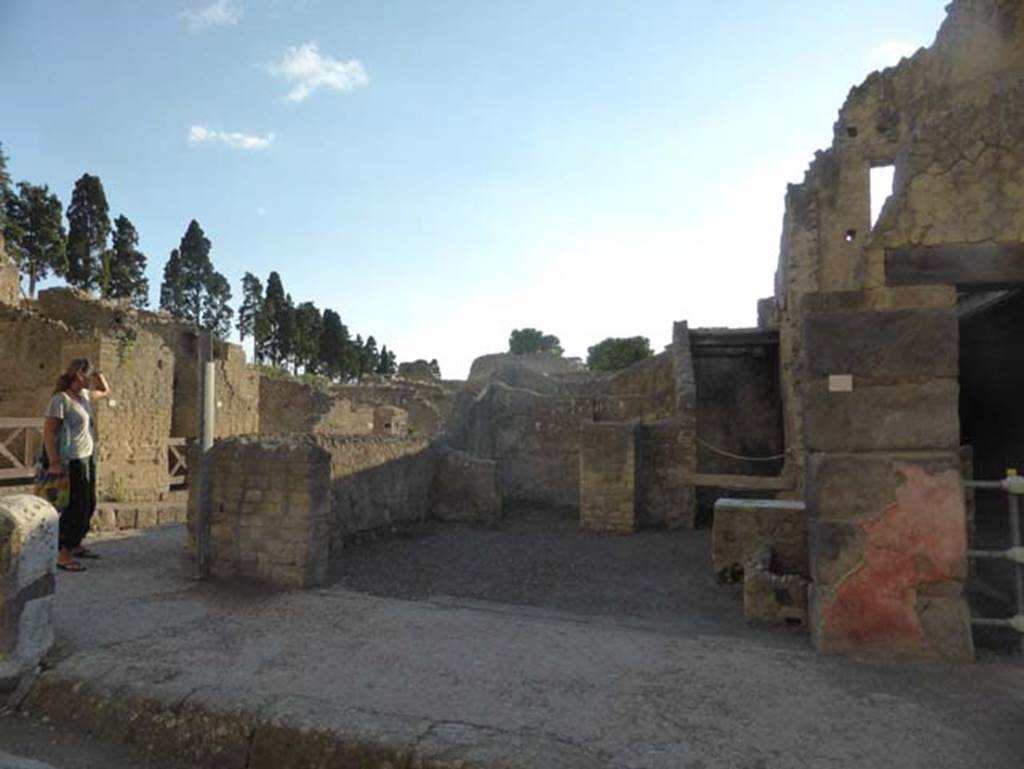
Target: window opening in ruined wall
882,178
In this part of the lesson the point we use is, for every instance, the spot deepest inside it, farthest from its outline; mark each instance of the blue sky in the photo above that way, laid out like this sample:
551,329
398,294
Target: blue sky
443,171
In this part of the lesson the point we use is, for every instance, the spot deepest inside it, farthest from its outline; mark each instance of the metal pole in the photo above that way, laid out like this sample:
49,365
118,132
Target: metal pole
1018,570
206,397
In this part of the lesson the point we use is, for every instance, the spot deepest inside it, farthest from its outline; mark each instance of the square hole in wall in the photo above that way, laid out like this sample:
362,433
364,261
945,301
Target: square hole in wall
882,180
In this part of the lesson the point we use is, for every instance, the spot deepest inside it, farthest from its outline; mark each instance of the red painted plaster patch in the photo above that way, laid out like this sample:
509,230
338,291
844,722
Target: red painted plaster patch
919,539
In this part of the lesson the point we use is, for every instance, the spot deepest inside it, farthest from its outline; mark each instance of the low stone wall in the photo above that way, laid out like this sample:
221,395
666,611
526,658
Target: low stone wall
465,488
376,481
270,503
28,556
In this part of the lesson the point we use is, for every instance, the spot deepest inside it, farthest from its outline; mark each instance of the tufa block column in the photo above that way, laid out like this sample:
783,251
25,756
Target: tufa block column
887,521
28,558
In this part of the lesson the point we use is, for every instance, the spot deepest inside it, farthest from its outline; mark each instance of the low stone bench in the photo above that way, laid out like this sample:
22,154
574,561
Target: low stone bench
28,565
742,527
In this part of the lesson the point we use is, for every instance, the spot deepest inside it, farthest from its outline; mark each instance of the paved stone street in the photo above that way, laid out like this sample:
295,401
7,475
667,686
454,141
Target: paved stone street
222,671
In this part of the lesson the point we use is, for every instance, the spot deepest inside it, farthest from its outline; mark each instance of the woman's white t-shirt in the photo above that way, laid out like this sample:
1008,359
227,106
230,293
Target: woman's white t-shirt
78,423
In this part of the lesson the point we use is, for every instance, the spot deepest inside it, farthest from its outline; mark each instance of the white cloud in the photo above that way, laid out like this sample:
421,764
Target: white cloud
198,134
217,14
309,70
889,52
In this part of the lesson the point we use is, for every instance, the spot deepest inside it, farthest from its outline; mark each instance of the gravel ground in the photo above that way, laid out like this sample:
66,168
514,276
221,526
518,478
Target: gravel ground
541,558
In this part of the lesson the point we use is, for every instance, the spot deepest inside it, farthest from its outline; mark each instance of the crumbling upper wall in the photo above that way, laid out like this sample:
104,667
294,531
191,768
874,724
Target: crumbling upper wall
428,405
950,119
542,362
644,391
289,406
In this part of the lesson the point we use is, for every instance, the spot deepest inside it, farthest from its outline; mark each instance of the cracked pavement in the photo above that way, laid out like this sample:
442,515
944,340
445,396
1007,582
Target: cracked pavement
490,683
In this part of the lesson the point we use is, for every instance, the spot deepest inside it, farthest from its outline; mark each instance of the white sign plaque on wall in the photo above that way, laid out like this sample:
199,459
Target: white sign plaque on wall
840,383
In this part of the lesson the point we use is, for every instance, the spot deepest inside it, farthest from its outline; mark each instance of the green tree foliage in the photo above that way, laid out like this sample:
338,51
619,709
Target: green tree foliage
88,231
526,340
196,269
6,196
335,347
36,225
388,364
217,310
252,321
616,353
275,311
307,328
369,357
192,289
125,267
172,292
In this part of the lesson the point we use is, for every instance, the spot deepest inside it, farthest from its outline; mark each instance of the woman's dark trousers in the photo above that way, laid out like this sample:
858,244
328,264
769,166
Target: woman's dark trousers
75,520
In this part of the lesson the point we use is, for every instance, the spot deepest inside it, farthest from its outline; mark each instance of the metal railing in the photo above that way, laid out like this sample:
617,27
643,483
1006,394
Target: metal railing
1013,485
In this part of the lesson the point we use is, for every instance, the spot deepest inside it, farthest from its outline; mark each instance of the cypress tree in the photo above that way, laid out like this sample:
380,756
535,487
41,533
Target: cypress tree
172,294
125,271
88,230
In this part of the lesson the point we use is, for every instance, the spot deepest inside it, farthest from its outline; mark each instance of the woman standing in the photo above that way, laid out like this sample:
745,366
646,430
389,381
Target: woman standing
69,435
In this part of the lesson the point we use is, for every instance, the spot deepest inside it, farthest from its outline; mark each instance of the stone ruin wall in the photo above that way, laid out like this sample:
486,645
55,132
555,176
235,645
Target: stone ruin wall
133,425
532,425
950,119
376,482
150,382
237,385
282,505
428,406
487,366
236,391
290,406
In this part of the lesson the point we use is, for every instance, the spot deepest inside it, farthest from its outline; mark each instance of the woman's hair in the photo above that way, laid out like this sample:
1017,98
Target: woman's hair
75,366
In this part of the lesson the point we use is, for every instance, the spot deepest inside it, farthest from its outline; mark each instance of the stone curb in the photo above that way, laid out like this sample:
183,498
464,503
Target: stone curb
207,727
238,737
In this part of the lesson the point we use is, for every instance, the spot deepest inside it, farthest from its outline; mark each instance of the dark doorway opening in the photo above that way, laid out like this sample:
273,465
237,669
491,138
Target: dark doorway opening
992,434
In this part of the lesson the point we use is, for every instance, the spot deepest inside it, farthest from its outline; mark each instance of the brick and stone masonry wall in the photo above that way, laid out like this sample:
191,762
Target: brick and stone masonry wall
608,476
270,507
10,289
376,481
289,406
535,439
133,425
465,488
28,556
282,504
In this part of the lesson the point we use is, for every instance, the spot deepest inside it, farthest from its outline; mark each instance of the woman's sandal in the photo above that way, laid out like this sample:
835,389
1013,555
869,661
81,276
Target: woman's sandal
73,566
